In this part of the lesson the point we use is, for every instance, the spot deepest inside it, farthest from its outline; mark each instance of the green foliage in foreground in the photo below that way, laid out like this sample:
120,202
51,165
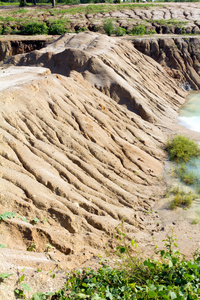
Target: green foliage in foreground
182,149
170,277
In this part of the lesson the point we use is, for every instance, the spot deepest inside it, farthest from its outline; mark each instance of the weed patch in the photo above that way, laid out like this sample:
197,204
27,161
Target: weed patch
187,176
120,31
35,28
182,149
185,153
109,26
181,198
139,30
57,27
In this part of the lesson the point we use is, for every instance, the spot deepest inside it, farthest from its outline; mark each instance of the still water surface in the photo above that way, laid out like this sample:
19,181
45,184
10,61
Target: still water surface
189,115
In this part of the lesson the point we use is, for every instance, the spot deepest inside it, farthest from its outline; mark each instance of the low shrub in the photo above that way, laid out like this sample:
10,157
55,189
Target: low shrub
7,30
182,149
34,28
139,30
57,27
181,198
82,29
109,26
188,177
120,31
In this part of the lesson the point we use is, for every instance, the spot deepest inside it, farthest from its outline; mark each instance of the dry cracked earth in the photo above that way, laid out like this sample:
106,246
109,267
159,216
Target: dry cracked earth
83,124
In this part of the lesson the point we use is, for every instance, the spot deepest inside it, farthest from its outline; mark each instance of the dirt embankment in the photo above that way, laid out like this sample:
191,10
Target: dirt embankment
179,56
83,124
14,45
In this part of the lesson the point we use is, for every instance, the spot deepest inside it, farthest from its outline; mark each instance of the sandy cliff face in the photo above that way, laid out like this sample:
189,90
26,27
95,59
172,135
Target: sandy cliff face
22,44
178,55
81,148
114,67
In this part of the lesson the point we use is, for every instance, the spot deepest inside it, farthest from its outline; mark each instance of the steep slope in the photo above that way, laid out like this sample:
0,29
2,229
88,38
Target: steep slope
81,149
114,67
178,55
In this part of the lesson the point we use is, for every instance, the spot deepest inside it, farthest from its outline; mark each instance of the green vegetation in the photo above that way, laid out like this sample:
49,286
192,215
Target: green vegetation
120,31
34,28
56,20
168,277
32,248
22,286
139,30
8,3
181,198
4,276
169,22
57,27
182,149
188,177
108,26
195,221
7,215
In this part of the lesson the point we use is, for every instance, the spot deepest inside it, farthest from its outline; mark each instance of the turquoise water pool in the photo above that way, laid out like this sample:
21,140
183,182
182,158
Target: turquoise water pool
189,114
189,117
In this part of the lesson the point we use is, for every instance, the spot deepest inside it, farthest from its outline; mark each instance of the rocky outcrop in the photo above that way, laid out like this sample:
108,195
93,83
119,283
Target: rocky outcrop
179,56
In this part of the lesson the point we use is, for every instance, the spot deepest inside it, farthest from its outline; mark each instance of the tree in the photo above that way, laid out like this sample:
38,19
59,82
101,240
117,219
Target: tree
24,3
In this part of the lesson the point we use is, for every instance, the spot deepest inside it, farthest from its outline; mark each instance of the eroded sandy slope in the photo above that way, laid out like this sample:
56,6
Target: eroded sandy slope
82,151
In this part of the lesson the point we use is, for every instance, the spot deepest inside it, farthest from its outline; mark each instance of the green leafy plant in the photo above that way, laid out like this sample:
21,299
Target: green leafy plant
32,248
195,221
7,215
22,218
183,199
23,286
4,276
82,29
49,247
